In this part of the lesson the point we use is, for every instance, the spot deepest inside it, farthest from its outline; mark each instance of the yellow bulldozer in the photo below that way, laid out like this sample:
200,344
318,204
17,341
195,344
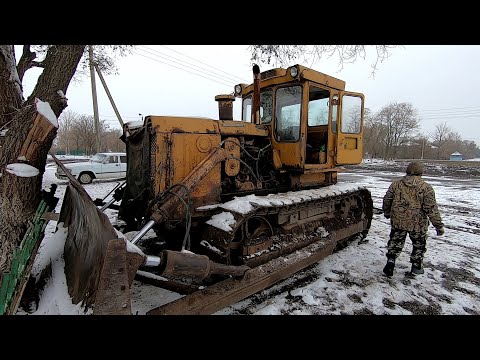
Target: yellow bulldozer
235,205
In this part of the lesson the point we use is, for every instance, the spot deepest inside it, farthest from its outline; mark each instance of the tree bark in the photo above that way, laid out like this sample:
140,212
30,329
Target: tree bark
11,97
20,196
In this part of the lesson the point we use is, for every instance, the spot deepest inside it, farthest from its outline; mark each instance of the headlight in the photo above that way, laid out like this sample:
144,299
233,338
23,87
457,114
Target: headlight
294,71
238,90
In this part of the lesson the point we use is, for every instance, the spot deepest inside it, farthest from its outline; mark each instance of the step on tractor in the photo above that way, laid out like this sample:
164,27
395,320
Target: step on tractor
234,205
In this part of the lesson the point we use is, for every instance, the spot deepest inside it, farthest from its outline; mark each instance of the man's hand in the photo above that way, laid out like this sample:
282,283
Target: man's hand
440,231
387,216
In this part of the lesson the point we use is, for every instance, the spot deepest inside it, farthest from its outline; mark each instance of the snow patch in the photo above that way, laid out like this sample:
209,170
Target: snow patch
211,247
22,170
207,207
44,109
61,94
54,299
134,124
322,232
132,248
222,221
243,205
3,132
22,158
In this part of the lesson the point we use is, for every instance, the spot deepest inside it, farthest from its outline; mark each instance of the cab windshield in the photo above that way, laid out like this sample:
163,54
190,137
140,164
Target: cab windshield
266,105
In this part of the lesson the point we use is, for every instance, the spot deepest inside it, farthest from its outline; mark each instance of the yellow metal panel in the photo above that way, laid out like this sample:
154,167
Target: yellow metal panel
240,127
321,78
306,74
179,124
185,156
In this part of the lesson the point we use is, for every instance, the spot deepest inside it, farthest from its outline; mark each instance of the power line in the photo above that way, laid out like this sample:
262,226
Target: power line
190,67
447,117
205,63
450,112
196,67
471,112
464,107
229,85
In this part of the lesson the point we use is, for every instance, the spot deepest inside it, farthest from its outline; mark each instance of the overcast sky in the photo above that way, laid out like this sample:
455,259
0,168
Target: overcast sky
440,81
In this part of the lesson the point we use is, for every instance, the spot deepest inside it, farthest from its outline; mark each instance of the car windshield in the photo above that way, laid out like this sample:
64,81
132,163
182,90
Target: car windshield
98,158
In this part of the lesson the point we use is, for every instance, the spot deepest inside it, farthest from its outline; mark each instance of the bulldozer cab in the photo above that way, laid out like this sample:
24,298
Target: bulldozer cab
314,123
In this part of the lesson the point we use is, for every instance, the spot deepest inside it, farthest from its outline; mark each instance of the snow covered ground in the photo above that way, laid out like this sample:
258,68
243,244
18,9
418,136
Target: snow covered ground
347,282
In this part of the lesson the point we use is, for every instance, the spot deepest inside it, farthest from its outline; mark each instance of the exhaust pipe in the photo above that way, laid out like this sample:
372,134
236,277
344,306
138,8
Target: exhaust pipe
183,264
256,95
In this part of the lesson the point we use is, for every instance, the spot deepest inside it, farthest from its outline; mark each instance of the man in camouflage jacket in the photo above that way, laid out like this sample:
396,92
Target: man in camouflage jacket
409,204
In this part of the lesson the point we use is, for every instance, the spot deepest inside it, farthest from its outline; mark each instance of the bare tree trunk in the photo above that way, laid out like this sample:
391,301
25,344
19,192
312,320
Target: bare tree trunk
19,196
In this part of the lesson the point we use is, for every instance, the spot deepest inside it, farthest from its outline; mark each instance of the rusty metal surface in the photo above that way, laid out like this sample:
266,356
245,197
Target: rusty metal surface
113,293
134,261
189,265
293,226
304,248
182,162
172,202
232,152
169,284
225,106
227,292
256,95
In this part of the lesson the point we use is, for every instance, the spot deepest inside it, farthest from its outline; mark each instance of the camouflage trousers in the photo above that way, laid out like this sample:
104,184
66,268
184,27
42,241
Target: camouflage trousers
397,241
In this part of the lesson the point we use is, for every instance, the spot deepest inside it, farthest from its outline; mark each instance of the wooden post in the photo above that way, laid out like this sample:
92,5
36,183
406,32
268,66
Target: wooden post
94,97
109,95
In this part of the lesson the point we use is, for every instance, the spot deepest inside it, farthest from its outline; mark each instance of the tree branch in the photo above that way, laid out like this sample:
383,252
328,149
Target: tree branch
25,61
59,67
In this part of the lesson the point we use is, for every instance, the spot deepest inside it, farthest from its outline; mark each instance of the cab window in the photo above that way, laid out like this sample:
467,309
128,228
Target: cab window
351,114
288,101
247,108
266,106
318,106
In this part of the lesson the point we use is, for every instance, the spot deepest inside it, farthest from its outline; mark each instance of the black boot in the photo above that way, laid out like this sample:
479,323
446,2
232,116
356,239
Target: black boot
416,269
388,269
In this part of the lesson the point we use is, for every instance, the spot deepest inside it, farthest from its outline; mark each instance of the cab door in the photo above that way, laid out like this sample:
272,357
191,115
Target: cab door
350,129
289,130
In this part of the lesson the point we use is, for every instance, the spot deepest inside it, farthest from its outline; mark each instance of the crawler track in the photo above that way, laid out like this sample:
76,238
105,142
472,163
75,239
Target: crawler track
280,250
271,226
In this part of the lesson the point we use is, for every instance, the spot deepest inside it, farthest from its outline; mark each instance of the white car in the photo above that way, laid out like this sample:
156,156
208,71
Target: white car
100,166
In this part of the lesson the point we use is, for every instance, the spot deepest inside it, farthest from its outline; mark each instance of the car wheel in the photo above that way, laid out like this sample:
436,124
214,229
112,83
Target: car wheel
85,178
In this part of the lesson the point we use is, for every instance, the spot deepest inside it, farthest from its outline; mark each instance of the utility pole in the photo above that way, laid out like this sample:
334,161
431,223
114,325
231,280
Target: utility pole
109,95
423,148
94,97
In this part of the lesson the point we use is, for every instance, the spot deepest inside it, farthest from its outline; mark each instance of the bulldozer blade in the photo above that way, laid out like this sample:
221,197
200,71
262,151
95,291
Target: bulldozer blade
113,293
89,231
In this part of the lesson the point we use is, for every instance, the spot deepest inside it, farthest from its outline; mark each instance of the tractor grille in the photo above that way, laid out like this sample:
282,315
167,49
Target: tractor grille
153,162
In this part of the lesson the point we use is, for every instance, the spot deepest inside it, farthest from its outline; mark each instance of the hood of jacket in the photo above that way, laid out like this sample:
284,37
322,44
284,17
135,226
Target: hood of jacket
412,180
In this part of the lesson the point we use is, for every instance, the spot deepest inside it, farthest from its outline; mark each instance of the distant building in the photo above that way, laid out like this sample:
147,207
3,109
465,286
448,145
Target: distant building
456,156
